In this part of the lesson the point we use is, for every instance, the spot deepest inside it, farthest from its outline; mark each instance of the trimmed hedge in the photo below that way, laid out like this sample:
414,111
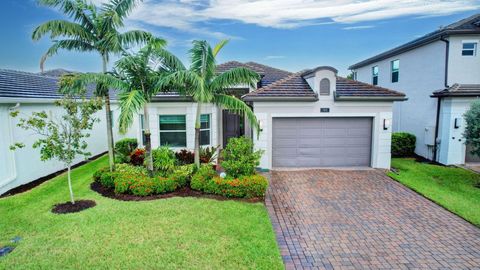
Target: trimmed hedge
403,144
128,179
252,186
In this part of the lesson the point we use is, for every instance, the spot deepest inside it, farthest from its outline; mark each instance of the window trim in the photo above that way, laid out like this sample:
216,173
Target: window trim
205,129
475,47
142,128
375,76
393,71
169,131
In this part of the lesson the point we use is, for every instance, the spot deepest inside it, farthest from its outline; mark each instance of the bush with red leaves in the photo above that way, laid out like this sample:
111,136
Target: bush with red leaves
137,157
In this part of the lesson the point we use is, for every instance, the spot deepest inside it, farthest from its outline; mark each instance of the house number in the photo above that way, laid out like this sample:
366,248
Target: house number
324,109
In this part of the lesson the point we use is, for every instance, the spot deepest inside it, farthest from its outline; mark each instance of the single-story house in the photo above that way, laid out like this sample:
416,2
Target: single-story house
312,118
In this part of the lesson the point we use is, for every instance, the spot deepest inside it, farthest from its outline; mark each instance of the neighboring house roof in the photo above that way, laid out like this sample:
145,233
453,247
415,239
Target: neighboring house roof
470,25
26,85
55,72
459,90
296,88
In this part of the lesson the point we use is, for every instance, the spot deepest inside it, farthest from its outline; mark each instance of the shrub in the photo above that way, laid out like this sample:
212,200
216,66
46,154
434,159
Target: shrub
185,156
200,179
104,177
208,154
137,157
239,159
97,174
123,149
164,159
164,184
183,174
472,127
403,144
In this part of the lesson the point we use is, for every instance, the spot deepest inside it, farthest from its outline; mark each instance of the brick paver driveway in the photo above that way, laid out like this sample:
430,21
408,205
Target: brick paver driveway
331,219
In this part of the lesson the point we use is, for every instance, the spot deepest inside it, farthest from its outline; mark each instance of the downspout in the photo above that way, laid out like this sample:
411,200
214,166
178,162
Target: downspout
439,99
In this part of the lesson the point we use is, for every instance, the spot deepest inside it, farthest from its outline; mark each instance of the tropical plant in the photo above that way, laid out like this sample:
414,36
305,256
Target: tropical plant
135,76
472,128
92,29
239,158
62,138
205,85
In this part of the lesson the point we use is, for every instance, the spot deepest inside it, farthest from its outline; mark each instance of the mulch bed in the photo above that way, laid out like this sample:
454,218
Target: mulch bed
183,192
68,207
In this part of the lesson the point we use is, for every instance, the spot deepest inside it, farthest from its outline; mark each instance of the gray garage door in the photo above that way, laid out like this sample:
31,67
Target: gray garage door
321,142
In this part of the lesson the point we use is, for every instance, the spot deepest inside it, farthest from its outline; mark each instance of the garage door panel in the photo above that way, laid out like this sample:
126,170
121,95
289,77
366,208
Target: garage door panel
321,142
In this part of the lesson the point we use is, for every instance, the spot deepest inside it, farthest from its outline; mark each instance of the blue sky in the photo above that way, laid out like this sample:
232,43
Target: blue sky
288,34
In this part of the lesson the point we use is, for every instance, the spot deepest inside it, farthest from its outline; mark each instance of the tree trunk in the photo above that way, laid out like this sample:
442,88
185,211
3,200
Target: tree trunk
111,154
197,136
148,142
70,184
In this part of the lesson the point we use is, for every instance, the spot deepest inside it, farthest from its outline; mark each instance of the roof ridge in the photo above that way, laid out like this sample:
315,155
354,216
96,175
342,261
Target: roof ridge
462,21
371,85
286,71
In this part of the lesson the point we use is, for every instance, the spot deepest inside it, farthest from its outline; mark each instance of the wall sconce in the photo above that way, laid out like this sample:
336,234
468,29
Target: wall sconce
260,125
386,124
458,122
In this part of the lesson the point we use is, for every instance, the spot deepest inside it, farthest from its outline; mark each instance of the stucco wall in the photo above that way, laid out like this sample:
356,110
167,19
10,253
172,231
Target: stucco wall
452,143
24,165
463,69
421,72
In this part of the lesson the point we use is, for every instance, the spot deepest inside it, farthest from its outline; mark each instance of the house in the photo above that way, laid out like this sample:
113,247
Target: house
311,118
440,73
27,93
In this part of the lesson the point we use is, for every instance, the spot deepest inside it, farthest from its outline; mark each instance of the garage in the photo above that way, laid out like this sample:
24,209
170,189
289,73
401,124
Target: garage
321,141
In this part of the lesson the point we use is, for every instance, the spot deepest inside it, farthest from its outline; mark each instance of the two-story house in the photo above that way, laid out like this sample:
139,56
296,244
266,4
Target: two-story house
440,74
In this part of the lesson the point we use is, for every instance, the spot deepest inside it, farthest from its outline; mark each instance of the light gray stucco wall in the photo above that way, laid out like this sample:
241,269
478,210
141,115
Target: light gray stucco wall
463,69
421,73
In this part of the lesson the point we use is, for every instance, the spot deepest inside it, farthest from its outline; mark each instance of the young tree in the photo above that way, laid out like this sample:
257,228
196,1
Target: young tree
92,29
135,76
62,138
202,82
472,128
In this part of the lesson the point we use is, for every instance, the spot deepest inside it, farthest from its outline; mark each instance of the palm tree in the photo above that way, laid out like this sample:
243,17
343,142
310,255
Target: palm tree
205,85
92,29
135,76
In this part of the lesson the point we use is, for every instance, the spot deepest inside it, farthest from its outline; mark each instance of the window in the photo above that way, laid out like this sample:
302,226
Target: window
142,129
395,65
469,49
173,130
205,129
325,87
354,75
375,75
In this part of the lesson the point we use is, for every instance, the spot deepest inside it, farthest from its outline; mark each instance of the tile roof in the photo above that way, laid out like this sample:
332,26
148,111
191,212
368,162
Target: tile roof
459,90
470,25
295,87
268,74
26,85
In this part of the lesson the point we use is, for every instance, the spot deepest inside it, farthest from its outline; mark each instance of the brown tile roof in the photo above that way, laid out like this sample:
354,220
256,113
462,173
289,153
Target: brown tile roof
459,90
292,87
234,64
268,74
295,87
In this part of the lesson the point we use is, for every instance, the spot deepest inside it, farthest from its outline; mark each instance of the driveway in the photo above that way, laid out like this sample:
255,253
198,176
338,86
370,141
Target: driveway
333,219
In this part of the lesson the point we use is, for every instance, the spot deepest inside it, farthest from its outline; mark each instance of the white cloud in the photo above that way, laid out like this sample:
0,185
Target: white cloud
270,57
186,14
358,27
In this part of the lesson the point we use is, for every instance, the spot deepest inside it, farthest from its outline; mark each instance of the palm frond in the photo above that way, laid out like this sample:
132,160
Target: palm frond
202,58
134,37
234,77
106,80
166,61
115,11
184,81
67,44
64,28
238,106
131,103
75,9
219,46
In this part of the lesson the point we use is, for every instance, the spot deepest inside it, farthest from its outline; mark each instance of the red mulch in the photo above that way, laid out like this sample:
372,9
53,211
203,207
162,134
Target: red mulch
183,192
68,207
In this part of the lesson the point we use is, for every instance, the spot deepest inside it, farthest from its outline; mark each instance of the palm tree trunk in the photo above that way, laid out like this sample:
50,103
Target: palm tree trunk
197,135
111,154
70,183
148,142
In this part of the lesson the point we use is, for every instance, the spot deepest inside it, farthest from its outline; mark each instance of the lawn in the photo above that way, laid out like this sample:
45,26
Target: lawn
162,234
451,187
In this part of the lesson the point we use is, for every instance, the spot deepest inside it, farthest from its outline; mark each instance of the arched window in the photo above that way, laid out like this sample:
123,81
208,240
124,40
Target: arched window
325,87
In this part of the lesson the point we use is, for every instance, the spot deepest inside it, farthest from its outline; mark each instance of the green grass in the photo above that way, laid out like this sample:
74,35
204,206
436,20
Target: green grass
451,187
161,234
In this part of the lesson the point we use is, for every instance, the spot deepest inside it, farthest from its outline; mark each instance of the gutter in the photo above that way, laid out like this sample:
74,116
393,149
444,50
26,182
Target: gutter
367,98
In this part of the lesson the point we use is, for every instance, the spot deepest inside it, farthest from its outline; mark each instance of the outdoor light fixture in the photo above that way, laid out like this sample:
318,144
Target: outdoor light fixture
386,124
457,123
260,125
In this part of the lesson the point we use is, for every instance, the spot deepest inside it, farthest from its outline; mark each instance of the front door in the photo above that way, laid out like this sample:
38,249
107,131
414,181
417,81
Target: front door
233,126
